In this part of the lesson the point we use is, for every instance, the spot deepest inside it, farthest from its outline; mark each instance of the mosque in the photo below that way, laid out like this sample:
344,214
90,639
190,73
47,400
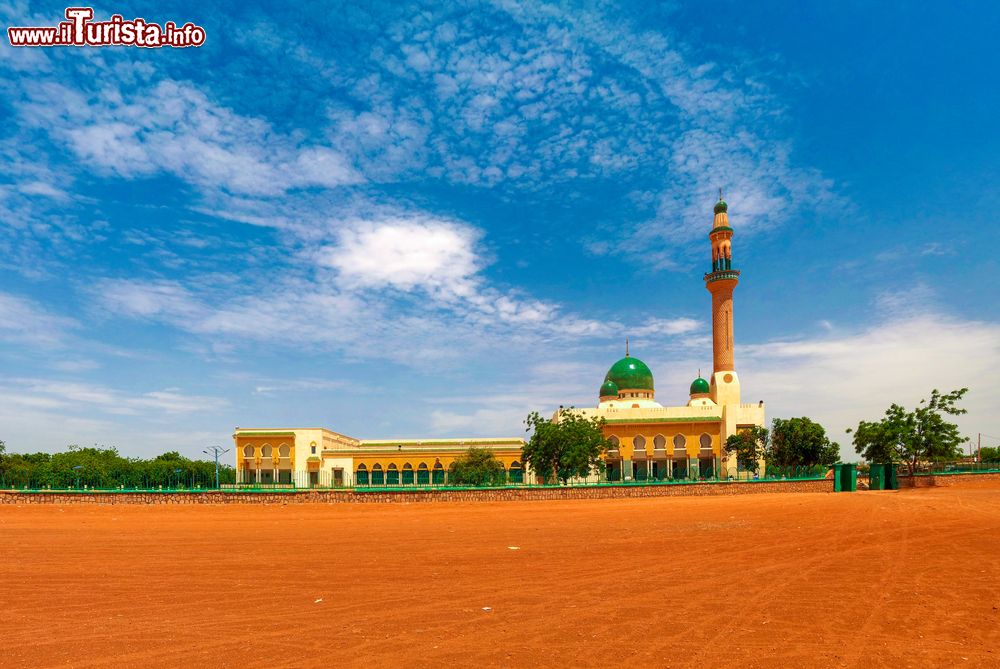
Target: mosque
650,441
657,442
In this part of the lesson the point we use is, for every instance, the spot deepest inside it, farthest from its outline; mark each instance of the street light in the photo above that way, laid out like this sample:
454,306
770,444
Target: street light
216,451
77,469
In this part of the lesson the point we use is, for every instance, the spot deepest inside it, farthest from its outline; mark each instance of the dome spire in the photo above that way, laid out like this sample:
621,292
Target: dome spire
721,207
626,347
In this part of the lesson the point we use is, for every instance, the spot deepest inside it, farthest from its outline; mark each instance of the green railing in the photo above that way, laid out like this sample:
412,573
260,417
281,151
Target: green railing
288,481
112,481
946,468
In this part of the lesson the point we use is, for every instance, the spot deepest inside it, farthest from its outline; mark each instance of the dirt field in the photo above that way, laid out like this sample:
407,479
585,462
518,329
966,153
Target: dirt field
888,579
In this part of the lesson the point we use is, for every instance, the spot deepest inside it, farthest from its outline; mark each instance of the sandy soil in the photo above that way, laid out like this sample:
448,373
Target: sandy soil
871,579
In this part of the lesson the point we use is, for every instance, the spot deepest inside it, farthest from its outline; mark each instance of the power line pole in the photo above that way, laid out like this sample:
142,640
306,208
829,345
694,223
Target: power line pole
216,451
979,448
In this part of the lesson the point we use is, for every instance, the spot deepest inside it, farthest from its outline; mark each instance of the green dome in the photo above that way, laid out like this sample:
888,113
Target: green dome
609,389
630,373
699,385
721,206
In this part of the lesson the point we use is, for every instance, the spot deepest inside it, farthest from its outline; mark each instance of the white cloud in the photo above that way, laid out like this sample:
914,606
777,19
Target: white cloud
26,323
405,253
173,127
48,414
75,396
145,299
506,422
665,326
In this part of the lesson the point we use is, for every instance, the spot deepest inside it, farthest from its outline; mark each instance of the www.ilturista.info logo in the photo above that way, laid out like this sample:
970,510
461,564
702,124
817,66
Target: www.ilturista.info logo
80,30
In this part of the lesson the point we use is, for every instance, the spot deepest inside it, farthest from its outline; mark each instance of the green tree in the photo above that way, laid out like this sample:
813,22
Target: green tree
749,445
912,437
800,442
104,468
478,467
989,454
571,445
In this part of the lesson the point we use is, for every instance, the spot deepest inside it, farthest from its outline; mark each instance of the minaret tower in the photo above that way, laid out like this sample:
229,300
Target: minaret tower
725,385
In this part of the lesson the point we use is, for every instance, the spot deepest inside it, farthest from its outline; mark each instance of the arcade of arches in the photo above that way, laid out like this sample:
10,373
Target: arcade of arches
316,457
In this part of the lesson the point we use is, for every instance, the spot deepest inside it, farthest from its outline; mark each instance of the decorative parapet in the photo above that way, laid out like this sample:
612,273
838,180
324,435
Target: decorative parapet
722,274
665,419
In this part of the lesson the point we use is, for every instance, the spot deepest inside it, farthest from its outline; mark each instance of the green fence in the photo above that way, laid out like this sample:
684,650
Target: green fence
944,468
284,480
84,480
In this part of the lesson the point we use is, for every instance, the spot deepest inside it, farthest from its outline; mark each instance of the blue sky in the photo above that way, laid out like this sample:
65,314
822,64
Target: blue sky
402,220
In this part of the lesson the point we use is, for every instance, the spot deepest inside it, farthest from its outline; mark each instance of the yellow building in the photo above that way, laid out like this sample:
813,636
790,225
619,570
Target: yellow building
658,442
317,457
651,441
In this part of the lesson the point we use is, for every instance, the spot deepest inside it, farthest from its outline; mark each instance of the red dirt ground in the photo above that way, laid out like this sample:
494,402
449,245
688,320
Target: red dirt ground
871,579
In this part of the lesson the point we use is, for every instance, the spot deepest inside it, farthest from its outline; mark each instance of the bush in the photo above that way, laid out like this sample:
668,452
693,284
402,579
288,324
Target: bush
478,467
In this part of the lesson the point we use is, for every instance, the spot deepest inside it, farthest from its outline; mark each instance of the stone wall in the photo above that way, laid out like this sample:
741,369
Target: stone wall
407,496
931,481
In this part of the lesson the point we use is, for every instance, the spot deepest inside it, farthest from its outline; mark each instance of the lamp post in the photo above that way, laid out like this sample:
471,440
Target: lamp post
77,469
216,451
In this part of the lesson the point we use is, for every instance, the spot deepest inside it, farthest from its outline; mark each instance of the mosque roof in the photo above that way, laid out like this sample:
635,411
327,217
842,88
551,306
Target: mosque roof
608,389
630,373
699,386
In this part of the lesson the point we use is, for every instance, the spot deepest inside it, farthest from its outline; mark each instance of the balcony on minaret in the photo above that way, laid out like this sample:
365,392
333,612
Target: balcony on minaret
722,274
721,238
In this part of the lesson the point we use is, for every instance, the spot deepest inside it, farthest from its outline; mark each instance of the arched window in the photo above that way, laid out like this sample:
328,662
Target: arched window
378,476
438,474
706,441
248,451
516,473
423,474
361,476
614,441
639,442
284,450
407,474
392,475
659,442
679,442
266,451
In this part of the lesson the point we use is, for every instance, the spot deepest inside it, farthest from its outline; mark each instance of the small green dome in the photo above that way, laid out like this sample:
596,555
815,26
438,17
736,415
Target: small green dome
721,206
609,389
699,385
630,373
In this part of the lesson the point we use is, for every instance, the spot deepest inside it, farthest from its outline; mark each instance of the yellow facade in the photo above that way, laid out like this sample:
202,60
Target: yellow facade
316,457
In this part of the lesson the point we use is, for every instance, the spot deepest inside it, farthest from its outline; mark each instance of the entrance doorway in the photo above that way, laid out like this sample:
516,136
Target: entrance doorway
706,467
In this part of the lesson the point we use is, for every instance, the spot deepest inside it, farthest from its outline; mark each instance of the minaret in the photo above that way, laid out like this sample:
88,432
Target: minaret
720,282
